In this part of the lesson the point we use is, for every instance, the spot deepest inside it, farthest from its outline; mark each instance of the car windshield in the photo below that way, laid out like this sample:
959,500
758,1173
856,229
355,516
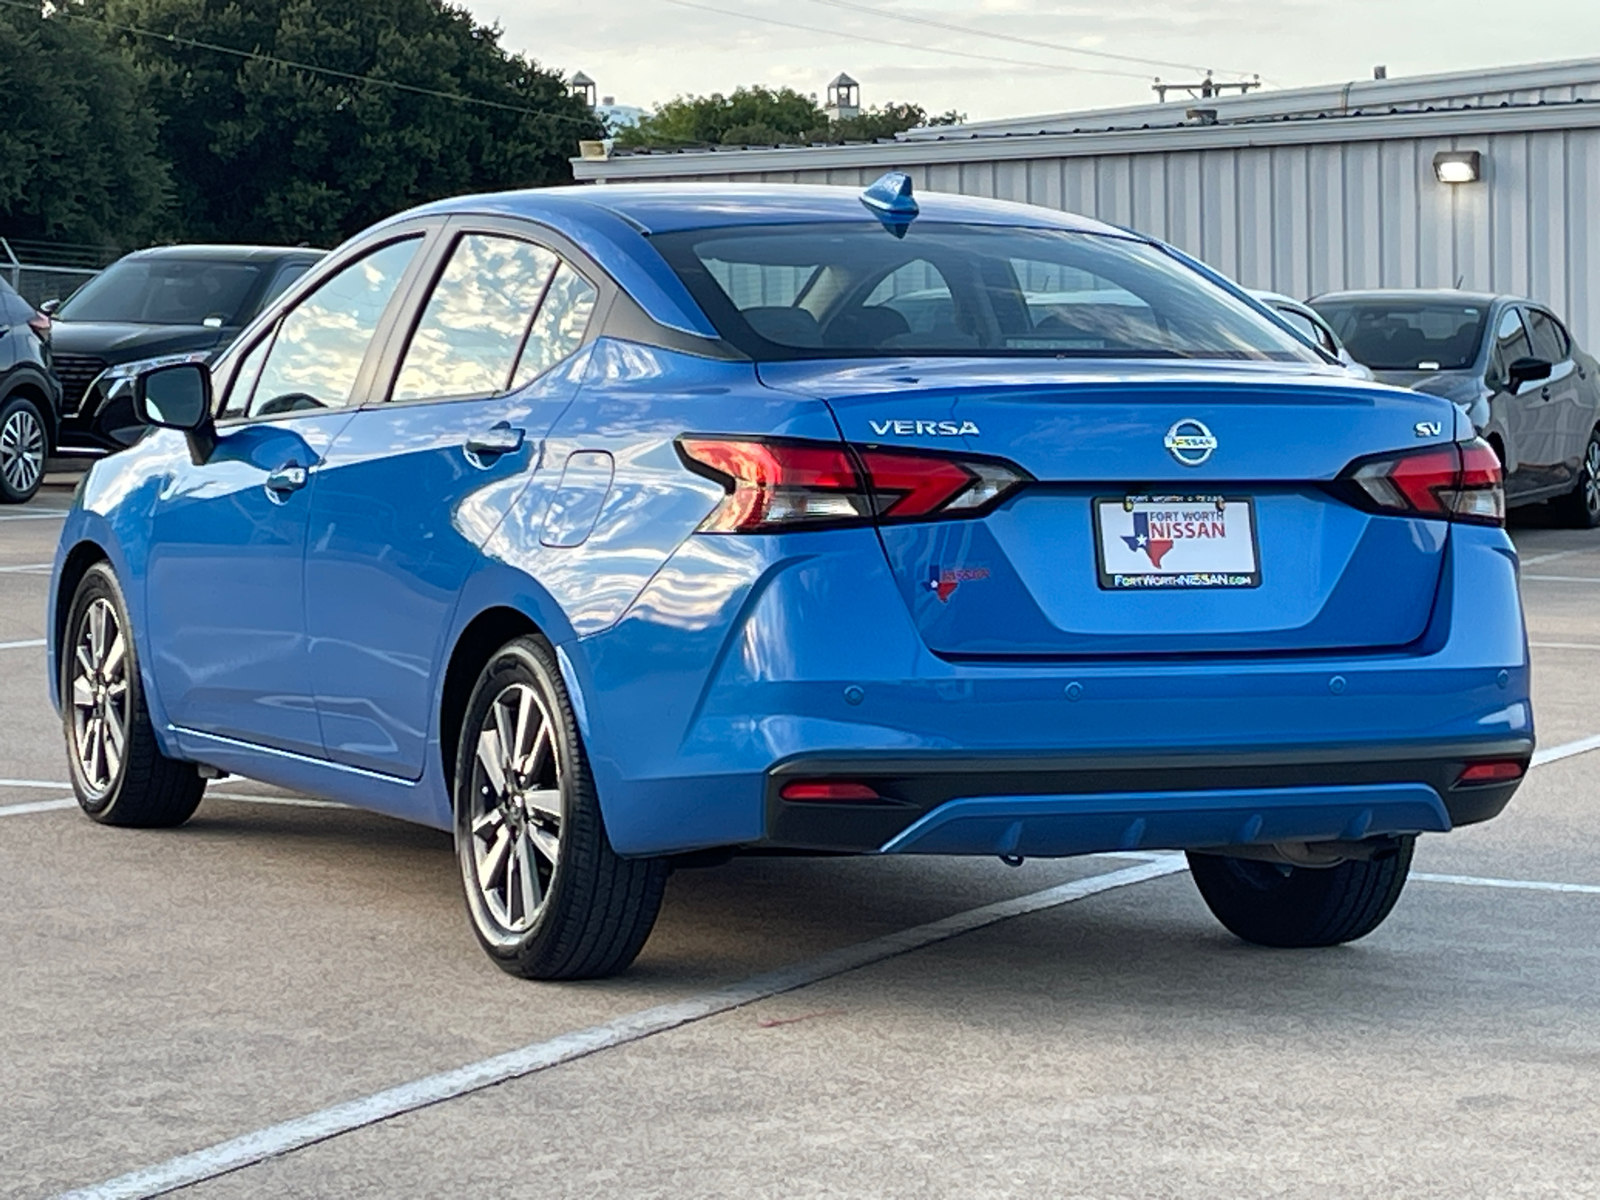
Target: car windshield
165,291
832,291
1408,335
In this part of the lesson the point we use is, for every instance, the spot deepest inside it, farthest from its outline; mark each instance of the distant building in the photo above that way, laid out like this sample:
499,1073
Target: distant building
618,116
844,99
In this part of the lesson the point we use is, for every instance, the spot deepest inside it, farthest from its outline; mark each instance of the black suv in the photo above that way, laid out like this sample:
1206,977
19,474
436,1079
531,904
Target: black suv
172,300
30,397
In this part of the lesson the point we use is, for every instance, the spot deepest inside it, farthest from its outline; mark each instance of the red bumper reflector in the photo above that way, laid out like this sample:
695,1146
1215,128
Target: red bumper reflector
1503,771
828,792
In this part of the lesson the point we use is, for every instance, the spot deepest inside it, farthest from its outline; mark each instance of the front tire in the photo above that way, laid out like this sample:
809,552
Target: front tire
23,449
118,771
548,896
1294,907
1580,508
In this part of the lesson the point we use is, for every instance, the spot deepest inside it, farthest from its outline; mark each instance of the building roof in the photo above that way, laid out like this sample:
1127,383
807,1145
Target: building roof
844,81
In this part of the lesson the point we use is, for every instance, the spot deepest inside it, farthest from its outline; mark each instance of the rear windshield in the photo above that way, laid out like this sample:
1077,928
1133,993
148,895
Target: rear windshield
1408,335
832,291
165,291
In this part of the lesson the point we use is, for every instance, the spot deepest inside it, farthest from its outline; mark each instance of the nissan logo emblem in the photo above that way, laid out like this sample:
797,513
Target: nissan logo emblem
1190,442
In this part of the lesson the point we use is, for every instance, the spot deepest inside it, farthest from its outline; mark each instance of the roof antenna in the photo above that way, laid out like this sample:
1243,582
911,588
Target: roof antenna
891,201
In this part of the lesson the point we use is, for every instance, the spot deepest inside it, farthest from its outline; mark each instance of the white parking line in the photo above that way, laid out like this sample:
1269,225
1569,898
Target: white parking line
213,1161
47,515
35,806
47,785
1567,750
1527,885
27,568
1563,646
28,645
1564,578
1541,559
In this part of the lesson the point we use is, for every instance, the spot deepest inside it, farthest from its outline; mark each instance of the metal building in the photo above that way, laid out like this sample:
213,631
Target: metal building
1301,191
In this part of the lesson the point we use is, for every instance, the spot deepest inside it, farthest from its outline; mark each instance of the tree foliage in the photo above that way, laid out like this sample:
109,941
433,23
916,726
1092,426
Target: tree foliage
78,148
759,116
266,151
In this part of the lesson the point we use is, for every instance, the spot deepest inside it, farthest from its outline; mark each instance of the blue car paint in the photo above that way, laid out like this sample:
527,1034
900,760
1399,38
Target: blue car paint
698,663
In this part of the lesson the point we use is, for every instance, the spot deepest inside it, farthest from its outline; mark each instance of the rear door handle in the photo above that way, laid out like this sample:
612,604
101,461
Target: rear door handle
290,477
495,441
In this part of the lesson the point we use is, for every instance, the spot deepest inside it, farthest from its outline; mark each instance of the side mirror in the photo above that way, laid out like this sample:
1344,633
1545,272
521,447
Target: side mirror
48,308
1525,371
174,397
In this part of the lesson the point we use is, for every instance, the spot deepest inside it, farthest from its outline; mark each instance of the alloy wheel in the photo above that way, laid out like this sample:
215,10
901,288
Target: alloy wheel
100,697
1591,479
517,813
22,450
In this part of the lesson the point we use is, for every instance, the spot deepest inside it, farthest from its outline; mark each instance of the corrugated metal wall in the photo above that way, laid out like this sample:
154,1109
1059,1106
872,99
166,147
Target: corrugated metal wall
1315,218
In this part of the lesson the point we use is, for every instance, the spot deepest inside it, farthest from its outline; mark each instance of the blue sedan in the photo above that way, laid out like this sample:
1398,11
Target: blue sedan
611,526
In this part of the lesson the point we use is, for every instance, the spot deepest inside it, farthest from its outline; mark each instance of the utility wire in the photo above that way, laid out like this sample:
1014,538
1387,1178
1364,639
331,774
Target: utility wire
65,10
1007,37
861,37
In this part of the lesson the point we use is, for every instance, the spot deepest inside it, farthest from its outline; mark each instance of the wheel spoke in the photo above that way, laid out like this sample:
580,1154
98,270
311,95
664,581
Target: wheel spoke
114,654
502,724
97,633
547,843
524,711
540,752
529,871
488,823
491,865
546,802
82,692
492,759
85,660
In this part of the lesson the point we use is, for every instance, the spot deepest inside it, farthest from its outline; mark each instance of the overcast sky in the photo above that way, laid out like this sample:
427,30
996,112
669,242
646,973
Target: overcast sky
647,51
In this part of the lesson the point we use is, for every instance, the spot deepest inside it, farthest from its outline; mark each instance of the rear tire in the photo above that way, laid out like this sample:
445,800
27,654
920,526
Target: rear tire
1290,907
118,771
1580,508
24,446
548,896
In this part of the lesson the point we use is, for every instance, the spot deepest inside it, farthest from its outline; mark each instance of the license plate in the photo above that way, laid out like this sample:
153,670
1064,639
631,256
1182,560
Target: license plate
1146,542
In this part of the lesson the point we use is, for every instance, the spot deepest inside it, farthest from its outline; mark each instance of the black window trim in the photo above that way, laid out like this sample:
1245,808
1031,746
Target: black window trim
1563,337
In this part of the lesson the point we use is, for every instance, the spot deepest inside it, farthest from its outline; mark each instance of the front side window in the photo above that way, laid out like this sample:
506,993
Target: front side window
166,291
474,325
1510,343
1408,335
316,355
1549,339
953,289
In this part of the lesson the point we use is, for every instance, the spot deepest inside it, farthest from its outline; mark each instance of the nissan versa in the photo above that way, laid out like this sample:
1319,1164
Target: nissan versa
607,526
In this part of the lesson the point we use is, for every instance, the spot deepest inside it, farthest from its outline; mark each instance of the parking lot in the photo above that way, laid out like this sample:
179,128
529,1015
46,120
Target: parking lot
794,1027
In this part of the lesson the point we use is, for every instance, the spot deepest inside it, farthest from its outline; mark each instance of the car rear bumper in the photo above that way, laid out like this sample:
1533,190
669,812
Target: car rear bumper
1054,807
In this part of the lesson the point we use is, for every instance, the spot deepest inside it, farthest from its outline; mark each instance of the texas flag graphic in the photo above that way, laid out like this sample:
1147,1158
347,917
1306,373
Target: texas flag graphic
1156,548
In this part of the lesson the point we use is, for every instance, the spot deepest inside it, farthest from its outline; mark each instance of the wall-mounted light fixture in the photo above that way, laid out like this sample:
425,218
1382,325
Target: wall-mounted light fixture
1458,166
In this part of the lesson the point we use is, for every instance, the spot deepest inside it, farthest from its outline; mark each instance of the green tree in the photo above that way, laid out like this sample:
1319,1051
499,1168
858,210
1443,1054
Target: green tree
78,148
412,101
758,116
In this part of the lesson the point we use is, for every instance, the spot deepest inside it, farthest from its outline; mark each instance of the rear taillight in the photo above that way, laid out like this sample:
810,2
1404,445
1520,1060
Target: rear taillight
1461,481
783,483
40,324
1503,770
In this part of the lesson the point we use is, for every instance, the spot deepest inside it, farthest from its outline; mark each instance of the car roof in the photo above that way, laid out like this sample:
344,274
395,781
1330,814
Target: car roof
672,208
1417,295
221,253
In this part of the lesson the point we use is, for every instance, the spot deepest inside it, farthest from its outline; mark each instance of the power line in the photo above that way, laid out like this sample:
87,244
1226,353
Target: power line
310,68
861,37
1007,37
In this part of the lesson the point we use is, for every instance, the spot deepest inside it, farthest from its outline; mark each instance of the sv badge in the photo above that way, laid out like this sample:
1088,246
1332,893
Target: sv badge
1429,428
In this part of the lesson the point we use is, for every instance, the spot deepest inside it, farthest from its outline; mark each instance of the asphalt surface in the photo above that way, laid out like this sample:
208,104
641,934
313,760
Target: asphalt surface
161,993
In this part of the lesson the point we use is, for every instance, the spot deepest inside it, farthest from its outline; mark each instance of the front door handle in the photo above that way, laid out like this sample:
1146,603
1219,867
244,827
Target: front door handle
495,441
290,477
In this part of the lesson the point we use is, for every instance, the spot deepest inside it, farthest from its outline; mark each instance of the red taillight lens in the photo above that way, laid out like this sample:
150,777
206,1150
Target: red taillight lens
1458,482
40,324
826,791
778,483
1497,771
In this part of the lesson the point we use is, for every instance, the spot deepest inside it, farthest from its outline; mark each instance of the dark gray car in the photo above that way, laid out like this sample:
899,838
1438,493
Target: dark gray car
1509,363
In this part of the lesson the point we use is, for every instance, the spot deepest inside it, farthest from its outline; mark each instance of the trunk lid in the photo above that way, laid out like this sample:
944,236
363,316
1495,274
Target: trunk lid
1042,575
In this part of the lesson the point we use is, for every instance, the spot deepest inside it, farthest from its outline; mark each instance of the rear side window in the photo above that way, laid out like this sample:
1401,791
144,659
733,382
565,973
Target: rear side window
1510,343
316,355
473,328
1550,341
559,328
855,290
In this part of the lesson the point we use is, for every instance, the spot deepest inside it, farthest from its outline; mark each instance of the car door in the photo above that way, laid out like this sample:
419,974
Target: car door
225,586
418,480
1563,417
1515,411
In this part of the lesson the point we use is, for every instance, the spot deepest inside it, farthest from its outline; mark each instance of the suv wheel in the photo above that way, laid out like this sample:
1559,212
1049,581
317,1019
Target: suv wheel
118,771
548,896
23,448
1581,506
1279,905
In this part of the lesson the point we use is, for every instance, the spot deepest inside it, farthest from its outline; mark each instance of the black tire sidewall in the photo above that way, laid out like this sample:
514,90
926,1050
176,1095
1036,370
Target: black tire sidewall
98,583
7,407
528,661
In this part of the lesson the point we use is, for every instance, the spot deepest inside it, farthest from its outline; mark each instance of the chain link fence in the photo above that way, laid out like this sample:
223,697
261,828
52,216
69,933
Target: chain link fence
41,271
